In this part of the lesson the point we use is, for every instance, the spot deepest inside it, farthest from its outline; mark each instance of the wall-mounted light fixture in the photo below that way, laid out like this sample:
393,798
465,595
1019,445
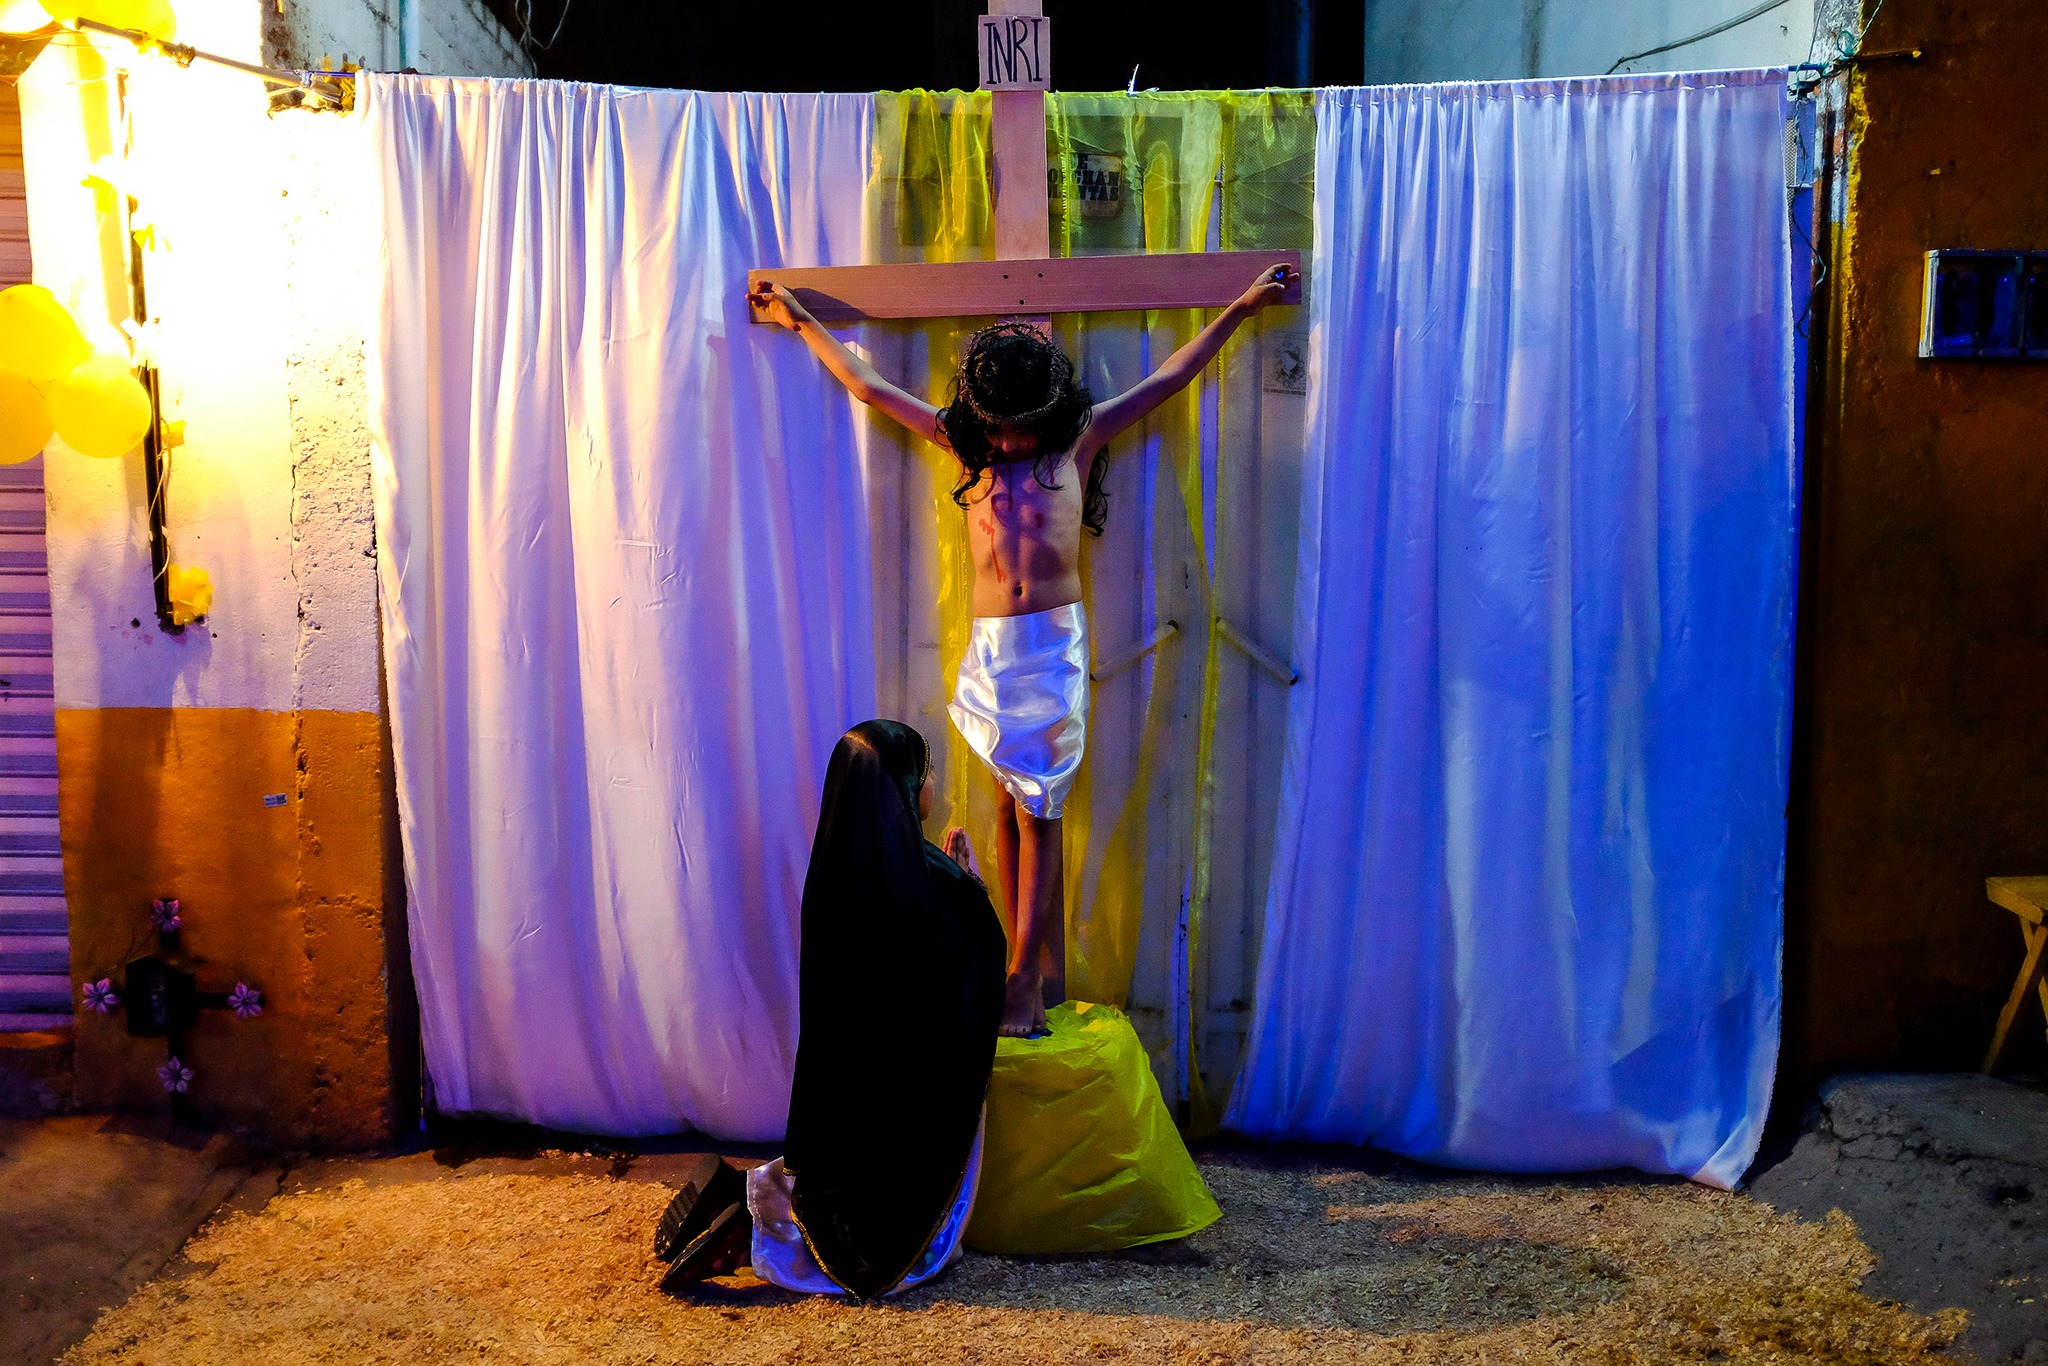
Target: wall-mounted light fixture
25,30
310,89
109,404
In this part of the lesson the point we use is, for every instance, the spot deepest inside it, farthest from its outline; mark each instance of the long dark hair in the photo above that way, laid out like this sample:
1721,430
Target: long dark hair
1014,376
899,751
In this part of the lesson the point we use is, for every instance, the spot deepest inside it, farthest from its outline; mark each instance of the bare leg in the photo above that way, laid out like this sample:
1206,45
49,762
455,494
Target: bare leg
1052,957
1006,860
1037,950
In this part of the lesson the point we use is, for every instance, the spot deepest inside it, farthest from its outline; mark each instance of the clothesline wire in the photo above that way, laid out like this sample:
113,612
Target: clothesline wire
522,10
1755,11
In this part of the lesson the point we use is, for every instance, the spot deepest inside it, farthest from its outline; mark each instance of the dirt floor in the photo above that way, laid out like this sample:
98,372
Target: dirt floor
1323,1257
93,1206
496,1245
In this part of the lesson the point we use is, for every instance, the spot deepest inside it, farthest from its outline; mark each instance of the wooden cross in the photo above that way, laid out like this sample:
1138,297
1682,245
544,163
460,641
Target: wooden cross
163,1001
1026,279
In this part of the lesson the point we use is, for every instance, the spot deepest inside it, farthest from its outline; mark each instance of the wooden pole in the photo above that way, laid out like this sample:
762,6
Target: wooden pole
1017,142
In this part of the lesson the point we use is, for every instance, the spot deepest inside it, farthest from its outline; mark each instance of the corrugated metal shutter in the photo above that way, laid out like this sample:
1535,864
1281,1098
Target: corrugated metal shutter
35,956
13,195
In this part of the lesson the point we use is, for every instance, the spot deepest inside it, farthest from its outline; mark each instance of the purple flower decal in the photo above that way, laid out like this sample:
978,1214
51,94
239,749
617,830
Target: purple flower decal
163,914
100,996
246,1001
175,1075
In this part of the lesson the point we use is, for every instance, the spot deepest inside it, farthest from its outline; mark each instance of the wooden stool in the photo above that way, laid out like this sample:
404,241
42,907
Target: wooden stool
2027,898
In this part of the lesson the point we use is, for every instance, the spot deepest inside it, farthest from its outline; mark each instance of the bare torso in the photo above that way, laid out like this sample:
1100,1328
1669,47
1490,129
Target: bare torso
1025,538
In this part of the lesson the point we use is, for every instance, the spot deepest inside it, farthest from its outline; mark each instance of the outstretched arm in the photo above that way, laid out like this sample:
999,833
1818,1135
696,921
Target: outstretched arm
861,379
1126,410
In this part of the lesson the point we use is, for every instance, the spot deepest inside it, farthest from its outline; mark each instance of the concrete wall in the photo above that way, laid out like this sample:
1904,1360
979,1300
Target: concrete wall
169,745
1922,760
1495,40
433,37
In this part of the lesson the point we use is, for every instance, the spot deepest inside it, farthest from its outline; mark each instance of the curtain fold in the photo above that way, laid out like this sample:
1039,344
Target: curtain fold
1526,904
625,584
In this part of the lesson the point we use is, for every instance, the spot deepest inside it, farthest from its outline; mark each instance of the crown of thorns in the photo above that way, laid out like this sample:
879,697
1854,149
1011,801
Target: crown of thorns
980,355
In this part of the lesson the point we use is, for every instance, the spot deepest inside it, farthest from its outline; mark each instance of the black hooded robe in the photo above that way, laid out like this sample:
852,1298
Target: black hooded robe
901,992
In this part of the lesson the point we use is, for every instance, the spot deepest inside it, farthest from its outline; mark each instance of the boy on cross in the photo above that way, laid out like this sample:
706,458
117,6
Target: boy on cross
1031,445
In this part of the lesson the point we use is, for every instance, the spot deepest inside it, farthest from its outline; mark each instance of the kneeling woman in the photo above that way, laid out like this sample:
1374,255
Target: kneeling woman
901,975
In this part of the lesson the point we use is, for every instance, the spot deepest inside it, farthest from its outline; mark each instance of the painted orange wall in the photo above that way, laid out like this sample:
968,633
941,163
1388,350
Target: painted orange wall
1922,753
291,899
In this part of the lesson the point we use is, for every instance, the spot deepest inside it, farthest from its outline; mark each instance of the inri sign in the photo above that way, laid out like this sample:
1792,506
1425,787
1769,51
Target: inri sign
1016,52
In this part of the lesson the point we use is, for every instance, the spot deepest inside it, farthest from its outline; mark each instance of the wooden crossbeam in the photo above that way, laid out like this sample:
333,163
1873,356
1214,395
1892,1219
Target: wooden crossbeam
1025,281
1053,284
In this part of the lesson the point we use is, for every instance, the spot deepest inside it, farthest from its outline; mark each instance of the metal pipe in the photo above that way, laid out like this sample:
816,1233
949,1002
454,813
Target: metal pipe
1118,663
408,34
1257,653
155,476
323,85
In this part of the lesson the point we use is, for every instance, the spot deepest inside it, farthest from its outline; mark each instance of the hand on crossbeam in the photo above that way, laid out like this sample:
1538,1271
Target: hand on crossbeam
1269,288
780,306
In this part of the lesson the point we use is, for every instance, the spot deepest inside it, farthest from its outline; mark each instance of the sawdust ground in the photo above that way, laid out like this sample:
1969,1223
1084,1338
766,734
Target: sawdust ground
1315,1260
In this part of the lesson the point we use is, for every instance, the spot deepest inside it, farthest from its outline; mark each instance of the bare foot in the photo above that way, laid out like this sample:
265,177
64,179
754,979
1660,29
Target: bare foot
1023,1006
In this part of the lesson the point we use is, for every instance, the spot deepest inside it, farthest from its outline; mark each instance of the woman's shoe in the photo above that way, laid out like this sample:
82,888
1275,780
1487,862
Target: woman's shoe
691,1212
722,1248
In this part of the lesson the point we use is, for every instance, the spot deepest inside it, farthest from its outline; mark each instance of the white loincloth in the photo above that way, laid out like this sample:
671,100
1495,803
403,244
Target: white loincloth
1022,702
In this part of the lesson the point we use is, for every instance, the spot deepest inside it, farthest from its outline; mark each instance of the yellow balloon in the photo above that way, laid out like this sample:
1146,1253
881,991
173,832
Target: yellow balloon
25,424
22,16
99,408
153,17
37,337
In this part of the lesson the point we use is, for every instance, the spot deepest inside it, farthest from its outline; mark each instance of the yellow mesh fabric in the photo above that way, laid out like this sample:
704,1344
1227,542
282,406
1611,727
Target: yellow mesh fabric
931,199
1175,150
1166,152
1267,181
1167,155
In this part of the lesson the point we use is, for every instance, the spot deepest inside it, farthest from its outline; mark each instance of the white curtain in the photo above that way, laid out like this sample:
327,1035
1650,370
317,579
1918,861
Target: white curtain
1526,902
625,582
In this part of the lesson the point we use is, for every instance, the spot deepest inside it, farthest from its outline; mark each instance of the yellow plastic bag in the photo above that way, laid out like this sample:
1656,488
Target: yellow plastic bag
1080,1154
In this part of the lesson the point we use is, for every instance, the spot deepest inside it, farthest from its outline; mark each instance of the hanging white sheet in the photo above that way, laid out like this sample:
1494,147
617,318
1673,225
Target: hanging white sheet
1526,904
625,580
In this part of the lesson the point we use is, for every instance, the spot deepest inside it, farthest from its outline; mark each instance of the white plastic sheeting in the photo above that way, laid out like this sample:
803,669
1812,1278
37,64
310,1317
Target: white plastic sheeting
1526,906
625,581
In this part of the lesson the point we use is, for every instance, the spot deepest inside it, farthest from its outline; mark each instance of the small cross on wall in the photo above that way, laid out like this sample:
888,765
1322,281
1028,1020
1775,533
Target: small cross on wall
160,994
